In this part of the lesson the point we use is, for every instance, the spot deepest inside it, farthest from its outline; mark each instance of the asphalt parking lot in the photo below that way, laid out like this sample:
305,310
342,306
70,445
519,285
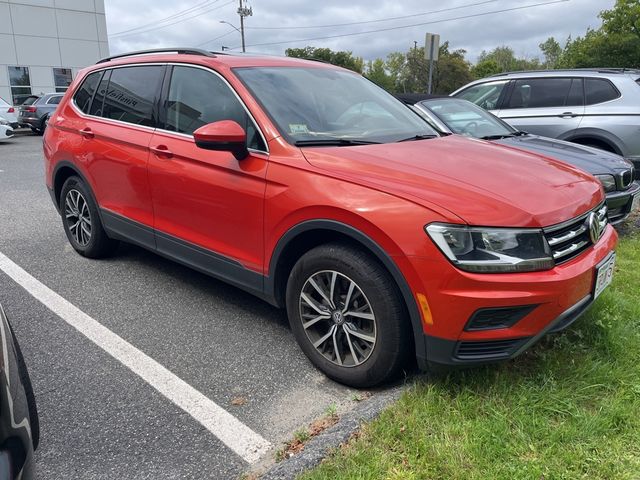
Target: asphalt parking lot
99,419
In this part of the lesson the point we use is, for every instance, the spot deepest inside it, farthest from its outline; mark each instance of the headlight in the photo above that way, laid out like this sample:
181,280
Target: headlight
608,182
492,250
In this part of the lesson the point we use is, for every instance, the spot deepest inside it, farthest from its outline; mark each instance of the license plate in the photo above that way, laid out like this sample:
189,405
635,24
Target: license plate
604,275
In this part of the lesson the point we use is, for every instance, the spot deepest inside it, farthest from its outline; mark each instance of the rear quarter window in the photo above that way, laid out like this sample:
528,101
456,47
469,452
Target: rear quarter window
85,93
599,90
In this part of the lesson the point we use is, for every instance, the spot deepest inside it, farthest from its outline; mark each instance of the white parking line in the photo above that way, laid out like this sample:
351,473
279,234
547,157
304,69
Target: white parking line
231,431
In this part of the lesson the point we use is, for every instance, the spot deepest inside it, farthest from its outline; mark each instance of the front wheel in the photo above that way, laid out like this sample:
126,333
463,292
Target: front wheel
346,314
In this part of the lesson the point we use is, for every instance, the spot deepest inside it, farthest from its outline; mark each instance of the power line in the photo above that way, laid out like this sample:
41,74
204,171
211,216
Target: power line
177,21
405,26
376,21
170,17
217,38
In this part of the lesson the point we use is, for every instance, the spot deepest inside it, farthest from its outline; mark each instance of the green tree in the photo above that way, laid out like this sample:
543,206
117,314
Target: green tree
552,52
376,72
623,18
340,58
452,70
485,68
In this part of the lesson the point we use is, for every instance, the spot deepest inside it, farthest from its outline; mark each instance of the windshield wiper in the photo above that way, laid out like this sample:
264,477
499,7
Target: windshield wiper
417,137
332,142
497,137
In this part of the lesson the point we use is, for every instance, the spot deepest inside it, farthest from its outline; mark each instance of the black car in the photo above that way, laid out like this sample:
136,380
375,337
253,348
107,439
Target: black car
455,115
35,111
19,426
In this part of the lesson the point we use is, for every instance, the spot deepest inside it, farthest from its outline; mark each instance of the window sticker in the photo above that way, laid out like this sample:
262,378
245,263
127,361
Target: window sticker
296,128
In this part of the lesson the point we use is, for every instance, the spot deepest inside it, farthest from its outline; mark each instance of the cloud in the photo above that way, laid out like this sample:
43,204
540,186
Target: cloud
523,30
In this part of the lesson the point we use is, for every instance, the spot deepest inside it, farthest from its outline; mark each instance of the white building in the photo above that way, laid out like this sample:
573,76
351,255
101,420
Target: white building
43,43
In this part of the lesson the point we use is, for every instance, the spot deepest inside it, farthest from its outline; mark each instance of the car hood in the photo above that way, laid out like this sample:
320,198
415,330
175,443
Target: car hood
475,181
589,159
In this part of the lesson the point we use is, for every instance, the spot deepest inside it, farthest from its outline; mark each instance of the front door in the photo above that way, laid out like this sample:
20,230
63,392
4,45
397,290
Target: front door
208,206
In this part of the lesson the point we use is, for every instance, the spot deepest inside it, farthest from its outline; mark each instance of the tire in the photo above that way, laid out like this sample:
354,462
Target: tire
34,420
373,345
36,131
81,221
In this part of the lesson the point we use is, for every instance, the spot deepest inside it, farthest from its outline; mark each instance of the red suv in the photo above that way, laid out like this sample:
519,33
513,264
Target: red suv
317,191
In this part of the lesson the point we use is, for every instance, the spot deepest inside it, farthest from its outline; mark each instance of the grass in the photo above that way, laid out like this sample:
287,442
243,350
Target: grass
567,409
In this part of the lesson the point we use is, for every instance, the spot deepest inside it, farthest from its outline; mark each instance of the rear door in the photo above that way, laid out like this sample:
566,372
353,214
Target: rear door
208,206
115,129
551,107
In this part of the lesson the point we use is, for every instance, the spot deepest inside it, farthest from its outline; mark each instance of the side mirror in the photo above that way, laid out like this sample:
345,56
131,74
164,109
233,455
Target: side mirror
223,136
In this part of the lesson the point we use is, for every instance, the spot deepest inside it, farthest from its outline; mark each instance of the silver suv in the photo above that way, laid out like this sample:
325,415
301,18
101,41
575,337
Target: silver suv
595,107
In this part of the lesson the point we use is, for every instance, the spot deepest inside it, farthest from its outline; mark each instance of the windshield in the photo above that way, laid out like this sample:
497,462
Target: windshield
465,118
321,104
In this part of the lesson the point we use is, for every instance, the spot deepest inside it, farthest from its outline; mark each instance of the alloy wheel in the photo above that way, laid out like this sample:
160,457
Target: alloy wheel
78,217
338,318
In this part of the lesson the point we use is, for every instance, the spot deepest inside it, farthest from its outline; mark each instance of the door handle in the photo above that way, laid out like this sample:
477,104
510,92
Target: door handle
568,115
87,133
162,151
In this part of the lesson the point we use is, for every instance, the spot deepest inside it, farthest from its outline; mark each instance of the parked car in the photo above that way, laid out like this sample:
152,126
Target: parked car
314,189
8,112
598,108
6,132
454,115
19,425
35,111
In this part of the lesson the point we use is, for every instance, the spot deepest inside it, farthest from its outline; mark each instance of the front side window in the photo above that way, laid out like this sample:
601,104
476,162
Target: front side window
197,97
310,104
132,93
20,82
485,95
62,78
599,90
85,93
540,93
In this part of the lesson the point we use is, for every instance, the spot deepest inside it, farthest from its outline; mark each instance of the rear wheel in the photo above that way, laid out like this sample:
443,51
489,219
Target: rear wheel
82,222
346,314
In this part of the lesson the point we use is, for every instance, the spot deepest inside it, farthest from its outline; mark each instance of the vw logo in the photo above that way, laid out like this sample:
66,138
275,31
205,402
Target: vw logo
595,227
338,318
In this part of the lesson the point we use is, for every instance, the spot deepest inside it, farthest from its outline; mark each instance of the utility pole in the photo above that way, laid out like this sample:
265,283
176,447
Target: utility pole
431,50
243,12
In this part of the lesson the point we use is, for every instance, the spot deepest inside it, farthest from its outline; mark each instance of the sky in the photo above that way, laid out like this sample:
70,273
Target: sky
473,25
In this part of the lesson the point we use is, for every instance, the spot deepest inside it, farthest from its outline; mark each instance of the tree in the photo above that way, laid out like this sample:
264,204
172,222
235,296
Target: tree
623,18
377,73
452,71
340,58
485,68
552,52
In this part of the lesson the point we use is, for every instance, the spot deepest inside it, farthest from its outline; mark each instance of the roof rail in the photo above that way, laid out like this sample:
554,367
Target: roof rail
182,51
592,69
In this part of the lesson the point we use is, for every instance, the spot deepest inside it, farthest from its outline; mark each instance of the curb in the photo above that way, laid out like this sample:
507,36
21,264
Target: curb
319,447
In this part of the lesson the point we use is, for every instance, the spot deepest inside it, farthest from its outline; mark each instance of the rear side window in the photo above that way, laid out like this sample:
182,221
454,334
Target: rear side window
599,90
85,93
540,93
54,100
132,93
197,97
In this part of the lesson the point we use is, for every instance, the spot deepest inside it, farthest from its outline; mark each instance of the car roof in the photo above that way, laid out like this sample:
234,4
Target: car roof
196,56
413,98
582,72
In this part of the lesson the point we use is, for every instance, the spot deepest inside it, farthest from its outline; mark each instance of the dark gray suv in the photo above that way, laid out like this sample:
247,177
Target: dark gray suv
598,108
35,111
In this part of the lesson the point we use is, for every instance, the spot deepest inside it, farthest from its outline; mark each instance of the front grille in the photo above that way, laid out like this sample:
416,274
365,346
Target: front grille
569,239
488,350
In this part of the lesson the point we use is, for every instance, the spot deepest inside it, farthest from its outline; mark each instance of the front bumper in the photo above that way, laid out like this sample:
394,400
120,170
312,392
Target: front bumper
560,297
619,204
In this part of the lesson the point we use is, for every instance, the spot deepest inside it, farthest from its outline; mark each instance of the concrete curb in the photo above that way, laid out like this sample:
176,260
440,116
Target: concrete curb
319,447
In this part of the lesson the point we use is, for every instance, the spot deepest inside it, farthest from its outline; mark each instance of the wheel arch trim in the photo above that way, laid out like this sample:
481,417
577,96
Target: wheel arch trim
379,253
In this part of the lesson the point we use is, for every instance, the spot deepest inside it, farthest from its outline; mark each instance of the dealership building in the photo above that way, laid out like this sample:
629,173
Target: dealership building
43,44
